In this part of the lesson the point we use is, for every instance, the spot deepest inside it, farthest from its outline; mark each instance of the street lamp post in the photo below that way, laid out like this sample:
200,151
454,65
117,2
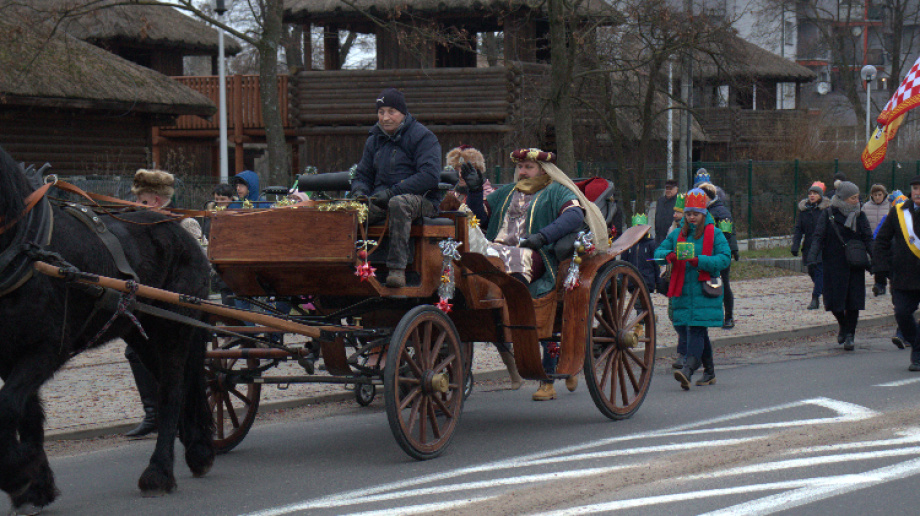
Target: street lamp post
868,74
220,8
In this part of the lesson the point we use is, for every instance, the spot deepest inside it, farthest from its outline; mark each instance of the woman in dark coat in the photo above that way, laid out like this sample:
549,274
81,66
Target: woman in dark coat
844,287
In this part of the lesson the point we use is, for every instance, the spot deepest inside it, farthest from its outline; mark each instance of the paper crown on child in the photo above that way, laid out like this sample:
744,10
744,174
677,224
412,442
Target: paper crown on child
702,176
639,219
817,186
532,155
696,201
679,203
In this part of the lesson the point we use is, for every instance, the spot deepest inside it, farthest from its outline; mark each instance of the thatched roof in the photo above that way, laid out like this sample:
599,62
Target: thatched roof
45,68
146,26
319,9
747,60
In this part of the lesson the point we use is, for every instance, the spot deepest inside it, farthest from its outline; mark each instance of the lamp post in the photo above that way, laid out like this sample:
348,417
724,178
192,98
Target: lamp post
220,8
868,74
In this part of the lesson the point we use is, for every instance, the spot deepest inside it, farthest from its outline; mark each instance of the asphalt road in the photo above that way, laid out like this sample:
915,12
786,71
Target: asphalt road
817,431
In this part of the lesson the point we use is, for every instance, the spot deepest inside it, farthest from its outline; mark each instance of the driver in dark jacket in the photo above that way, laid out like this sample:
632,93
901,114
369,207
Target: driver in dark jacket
399,173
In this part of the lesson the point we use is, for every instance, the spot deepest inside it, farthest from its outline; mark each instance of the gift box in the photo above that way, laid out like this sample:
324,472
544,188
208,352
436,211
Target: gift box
685,250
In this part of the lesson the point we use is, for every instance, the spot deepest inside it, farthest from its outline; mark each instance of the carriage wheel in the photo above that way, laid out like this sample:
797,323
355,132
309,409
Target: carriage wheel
233,405
620,348
423,382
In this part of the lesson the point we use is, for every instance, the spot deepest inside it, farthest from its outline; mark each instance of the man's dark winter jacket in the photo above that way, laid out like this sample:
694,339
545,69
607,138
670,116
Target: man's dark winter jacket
640,256
891,255
805,225
664,217
407,162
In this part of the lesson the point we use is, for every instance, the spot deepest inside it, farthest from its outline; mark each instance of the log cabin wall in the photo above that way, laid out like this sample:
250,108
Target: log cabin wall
76,142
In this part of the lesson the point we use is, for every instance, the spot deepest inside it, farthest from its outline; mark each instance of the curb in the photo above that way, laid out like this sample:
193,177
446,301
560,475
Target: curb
111,429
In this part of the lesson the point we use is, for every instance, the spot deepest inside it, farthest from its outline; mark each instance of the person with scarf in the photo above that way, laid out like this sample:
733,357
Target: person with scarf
524,219
844,286
897,257
692,311
809,212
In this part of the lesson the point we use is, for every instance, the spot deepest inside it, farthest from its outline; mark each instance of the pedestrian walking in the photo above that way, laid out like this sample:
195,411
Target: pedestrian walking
875,208
838,234
838,177
723,218
897,256
697,253
664,208
809,211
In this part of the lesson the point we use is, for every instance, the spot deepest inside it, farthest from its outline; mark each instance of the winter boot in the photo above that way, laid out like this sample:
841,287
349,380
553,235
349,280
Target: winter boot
679,362
147,388
728,323
545,392
848,343
684,375
571,383
508,360
815,302
709,372
396,278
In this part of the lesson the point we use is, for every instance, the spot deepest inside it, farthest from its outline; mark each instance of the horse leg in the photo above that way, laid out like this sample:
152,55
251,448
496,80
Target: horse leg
196,427
166,361
24,471
42,490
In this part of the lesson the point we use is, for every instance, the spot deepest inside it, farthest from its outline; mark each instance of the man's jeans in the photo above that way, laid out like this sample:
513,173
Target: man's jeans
403,210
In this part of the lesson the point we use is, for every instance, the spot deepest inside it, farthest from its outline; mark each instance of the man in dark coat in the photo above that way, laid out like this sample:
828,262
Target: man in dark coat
809,211
897,255
664,211
399,173
844,287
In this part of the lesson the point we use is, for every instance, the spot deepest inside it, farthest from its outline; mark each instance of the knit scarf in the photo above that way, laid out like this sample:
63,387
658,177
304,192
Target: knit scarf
532,185
850,210
679,269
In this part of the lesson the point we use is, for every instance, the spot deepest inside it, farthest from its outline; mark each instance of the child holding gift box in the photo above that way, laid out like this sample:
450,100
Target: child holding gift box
705,253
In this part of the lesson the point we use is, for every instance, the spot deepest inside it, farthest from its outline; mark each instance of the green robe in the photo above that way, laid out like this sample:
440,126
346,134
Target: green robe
545,207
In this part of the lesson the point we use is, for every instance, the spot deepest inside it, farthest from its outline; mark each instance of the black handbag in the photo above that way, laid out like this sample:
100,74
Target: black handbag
854,251
713,287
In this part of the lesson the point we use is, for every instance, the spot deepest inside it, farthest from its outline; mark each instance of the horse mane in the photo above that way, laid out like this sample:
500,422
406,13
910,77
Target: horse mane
13,187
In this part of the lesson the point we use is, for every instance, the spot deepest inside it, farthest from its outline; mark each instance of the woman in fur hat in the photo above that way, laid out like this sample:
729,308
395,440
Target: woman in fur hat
524,219
809,211
844,286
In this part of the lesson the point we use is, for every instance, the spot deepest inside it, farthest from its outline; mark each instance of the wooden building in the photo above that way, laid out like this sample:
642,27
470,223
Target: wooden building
81,108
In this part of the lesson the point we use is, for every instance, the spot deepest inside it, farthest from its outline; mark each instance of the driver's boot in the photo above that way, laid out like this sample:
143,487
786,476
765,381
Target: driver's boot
147,388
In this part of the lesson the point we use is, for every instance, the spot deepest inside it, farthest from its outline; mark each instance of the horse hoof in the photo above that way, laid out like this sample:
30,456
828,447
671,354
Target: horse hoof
26,509
153,483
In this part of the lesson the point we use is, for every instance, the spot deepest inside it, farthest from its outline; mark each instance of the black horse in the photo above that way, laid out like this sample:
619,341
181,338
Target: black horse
46,321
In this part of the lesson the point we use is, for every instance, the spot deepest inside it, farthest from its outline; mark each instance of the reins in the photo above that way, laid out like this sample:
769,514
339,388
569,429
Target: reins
36,196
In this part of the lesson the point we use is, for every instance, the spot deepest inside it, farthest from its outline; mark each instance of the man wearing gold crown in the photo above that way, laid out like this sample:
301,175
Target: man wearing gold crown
524,219
697,253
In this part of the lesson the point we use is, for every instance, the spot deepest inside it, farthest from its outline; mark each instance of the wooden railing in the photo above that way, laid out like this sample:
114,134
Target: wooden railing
244,108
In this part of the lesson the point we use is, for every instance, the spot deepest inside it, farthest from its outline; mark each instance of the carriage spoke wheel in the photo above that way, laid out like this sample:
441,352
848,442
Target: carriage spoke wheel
233,404
424,381
620,354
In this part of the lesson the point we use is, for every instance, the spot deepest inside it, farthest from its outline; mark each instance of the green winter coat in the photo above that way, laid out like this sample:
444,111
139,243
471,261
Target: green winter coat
693,308
544,208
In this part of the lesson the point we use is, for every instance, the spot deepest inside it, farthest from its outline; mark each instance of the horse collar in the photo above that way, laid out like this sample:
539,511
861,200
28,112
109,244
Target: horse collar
36,228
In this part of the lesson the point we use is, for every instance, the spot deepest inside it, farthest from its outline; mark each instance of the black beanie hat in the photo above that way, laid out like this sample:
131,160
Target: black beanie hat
391,97
915,181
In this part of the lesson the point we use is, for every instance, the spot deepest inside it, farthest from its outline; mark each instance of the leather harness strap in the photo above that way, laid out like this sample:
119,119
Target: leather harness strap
95,224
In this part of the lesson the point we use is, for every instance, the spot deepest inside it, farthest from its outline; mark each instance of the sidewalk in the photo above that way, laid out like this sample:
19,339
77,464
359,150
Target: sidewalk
94,394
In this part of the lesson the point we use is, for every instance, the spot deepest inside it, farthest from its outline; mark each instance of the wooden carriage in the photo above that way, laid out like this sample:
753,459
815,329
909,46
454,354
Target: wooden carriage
369,335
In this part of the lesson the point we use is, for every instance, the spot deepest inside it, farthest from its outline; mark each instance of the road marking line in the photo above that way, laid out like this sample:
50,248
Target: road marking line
898,383
424,508
909,437
846,412
806,491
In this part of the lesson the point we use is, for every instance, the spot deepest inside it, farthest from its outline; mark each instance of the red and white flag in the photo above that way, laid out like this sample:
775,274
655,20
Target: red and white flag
906,98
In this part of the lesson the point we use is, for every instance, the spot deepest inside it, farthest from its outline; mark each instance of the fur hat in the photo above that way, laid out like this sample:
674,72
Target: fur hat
157,182
709,188
465,154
